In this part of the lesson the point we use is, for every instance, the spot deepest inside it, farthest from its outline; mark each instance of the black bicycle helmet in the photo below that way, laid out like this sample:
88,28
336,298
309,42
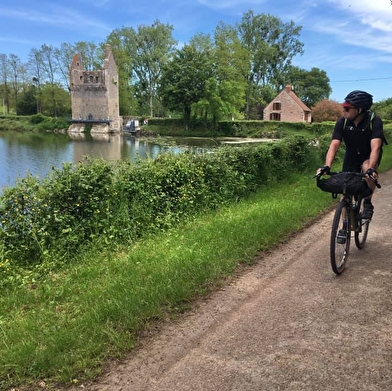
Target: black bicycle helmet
360,99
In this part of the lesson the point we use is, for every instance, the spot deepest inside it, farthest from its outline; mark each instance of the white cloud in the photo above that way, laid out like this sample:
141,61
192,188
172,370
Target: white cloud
57,16
360,23
377,23
376,14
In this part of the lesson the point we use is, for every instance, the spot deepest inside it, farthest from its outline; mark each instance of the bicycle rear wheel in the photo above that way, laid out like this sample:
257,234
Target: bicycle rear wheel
339,249
362,229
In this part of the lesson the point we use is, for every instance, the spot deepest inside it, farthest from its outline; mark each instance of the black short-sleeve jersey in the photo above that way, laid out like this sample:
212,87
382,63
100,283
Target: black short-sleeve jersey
357,138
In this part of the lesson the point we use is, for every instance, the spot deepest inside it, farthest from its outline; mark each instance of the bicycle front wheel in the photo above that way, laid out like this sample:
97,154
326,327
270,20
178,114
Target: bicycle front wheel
362,228
340,244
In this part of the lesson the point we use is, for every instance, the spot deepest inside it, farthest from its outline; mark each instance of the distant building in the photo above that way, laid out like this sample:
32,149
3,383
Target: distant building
287,107
95,96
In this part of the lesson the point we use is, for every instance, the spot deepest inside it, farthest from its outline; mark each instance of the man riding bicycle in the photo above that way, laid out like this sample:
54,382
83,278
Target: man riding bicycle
363,135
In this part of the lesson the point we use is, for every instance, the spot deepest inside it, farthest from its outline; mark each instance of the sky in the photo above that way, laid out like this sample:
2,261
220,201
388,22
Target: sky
351,40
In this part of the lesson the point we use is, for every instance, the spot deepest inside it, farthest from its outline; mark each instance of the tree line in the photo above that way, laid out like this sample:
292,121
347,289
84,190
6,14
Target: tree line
233,73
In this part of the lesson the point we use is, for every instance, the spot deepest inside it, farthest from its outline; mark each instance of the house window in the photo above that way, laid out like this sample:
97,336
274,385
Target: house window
275,117
276,106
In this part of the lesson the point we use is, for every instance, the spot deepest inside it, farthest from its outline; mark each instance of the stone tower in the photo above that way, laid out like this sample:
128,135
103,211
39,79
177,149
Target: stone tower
94,96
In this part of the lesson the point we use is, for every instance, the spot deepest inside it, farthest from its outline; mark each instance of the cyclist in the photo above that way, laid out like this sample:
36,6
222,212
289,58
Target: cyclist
363,135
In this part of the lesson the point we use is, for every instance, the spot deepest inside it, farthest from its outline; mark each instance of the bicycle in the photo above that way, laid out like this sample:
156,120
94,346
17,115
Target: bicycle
348,214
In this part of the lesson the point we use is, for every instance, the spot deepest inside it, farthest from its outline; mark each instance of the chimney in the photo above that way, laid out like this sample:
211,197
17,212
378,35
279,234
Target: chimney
288,87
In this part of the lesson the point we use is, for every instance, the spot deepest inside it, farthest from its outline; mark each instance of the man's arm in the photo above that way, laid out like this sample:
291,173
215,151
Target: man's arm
375,145
332,150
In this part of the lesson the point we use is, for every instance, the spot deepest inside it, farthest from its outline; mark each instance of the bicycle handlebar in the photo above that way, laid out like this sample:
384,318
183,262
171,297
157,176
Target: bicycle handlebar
361,174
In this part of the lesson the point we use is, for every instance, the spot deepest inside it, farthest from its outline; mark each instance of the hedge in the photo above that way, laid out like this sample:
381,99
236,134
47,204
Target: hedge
51,219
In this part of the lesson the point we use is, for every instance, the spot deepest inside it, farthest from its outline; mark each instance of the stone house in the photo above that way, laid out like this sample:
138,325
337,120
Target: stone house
95,96
287,107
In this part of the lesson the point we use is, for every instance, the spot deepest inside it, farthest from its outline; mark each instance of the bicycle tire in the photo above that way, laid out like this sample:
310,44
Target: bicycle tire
339,252
361,233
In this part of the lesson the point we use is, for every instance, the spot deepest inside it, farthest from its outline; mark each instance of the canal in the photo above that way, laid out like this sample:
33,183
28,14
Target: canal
23,153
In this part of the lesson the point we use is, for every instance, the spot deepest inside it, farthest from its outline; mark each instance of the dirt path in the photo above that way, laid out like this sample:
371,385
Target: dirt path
287,323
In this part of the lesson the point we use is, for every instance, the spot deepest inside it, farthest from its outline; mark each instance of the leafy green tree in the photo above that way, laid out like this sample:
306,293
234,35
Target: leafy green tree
310,86
26,103
50,71
184,79
148,50
271,46
154,47
36,69
55,100
5,81
225,89
122,52
383,108
15,66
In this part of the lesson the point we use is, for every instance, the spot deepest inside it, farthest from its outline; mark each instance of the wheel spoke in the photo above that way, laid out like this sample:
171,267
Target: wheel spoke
339,249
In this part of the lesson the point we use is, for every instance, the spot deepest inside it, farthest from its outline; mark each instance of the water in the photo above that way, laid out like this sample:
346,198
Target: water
22,153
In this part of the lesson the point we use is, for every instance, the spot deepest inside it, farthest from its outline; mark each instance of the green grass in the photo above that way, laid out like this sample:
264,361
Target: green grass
64,328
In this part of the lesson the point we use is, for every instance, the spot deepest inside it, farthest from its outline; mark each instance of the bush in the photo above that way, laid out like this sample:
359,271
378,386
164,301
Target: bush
37,118
49,220
326,110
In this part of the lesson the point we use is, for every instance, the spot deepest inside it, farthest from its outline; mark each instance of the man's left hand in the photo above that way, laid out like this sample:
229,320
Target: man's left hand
372,174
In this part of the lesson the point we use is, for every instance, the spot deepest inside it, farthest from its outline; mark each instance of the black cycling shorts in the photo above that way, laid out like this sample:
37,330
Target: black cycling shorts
354,163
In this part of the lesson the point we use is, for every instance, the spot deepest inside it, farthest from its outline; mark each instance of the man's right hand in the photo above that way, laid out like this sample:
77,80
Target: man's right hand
323,170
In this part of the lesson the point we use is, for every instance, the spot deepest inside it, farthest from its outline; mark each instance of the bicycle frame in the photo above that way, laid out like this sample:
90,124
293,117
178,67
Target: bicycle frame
347,220
348,214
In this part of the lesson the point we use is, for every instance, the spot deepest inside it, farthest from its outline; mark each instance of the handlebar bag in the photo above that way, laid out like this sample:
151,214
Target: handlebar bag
345,183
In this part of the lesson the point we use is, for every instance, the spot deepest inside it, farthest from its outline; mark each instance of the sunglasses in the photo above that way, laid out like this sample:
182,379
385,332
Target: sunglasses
348,108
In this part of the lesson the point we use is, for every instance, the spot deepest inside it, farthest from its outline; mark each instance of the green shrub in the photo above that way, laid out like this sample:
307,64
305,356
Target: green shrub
37,118
48,221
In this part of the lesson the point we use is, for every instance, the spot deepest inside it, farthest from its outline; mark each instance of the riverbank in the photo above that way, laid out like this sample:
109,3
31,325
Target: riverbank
33,123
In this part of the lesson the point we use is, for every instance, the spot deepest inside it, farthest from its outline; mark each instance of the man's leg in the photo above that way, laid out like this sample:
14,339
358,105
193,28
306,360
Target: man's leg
368,206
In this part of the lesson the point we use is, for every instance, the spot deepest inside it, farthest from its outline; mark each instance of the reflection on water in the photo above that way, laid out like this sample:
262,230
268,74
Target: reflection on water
36,153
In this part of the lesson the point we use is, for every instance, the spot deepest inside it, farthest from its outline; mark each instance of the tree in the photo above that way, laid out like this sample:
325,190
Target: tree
36,68
225,89
154,47
184,79
121,42
63,56
15,66
271,46
310,86
148,49
383,108
5,80
50,69
27,103
55,100
326,110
